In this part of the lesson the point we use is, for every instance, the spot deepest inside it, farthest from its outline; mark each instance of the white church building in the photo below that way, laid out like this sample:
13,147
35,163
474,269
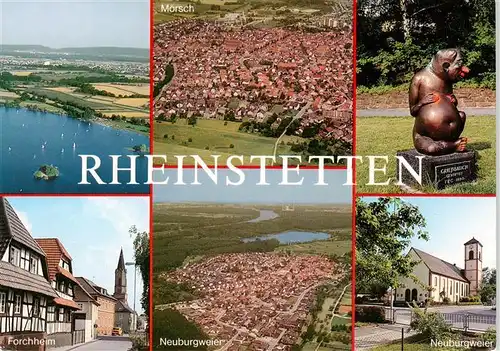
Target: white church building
446,279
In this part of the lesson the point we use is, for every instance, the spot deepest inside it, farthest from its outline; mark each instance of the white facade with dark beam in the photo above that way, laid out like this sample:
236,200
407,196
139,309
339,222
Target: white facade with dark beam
60,311
24,288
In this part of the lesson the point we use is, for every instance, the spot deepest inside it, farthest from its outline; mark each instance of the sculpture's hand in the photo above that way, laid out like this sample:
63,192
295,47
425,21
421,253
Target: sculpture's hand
453,99
429,99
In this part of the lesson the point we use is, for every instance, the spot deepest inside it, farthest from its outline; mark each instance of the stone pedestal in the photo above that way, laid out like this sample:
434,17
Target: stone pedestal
439,171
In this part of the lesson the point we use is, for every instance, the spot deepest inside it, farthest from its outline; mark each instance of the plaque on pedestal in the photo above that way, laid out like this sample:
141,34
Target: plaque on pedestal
439,171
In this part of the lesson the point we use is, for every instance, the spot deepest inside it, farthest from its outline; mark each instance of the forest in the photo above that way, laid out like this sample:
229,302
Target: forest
397,38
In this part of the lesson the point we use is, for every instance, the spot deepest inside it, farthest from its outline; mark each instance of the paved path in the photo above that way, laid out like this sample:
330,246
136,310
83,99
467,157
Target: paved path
373,336
107,344
403,112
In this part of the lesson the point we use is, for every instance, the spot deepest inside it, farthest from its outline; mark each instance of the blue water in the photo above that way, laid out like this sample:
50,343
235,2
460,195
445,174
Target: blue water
291,237
22,134
264,215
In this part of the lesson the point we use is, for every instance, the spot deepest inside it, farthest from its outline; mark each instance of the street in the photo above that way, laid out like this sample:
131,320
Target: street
108,343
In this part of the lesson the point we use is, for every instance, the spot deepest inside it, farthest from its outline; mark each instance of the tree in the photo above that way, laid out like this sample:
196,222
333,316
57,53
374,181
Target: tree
384,229
141,255
488,289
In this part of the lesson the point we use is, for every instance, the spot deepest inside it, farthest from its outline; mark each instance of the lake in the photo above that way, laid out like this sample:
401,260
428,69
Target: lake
291,237
264,215
30,139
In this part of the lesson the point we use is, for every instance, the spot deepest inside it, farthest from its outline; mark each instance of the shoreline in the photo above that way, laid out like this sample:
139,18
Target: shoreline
97,120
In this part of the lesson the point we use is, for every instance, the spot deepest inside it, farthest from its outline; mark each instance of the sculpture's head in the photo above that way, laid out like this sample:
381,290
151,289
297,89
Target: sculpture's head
449,64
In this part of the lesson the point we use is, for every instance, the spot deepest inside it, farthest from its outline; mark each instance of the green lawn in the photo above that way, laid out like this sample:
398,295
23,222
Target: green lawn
381,136
212,137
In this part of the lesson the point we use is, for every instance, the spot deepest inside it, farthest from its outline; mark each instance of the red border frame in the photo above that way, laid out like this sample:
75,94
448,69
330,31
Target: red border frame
354,194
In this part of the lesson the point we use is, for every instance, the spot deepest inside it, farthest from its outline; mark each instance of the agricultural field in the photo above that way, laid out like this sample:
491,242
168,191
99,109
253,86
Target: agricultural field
123,89
215,137
7,94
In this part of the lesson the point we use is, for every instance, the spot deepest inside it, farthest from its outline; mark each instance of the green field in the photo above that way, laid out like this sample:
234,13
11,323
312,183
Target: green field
215,136
381,136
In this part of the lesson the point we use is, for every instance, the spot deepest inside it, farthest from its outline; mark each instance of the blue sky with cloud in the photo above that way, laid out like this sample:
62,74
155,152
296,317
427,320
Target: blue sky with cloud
452,221
249,192
92,229
75,23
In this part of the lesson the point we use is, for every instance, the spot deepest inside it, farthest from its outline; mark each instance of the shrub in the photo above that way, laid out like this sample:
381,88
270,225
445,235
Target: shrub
138,344
430,325
173,137
165,136
190,140
207,147
446,300
231,146
225,123
490,336
370,314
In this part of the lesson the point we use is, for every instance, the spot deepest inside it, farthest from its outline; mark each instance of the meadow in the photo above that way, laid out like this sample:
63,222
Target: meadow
214,137
387,135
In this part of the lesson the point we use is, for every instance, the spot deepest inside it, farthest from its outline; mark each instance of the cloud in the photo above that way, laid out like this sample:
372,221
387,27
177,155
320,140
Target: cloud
120,212
23,216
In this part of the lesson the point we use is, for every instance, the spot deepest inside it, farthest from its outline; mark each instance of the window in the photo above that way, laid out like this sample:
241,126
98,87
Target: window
51,310
36,307
479,255
451,289
17,304
14,256
33,265
3,302
435,281
70,290
61,287
60,316
80,305
471,255
456,287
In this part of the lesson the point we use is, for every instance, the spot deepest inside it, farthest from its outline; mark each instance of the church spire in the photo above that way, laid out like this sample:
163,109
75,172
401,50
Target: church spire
121,261
121,279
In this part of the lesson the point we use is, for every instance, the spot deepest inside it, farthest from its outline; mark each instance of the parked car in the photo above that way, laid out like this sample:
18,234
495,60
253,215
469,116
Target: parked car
117,332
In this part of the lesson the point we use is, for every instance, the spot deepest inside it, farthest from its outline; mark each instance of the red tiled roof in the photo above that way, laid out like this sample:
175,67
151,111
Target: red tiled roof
67,274
65,302
54,251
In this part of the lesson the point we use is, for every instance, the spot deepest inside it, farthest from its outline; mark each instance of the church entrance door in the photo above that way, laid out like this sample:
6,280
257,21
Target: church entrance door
407,295
414,295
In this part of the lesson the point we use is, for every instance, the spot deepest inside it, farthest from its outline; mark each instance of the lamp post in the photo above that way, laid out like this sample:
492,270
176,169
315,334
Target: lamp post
135,285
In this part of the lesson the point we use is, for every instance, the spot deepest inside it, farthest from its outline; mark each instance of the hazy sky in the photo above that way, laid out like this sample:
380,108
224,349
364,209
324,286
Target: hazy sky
249,192
92,229
75,23
452,221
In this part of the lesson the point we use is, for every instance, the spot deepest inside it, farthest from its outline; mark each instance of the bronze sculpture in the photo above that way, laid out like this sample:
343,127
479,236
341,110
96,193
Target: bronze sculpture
438,122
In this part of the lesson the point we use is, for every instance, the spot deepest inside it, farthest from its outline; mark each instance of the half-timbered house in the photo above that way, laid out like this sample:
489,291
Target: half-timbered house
25,291
60,317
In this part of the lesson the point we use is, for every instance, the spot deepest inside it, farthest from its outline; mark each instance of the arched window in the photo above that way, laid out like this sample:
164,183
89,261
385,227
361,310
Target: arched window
414,295
407,295
479,254
471,255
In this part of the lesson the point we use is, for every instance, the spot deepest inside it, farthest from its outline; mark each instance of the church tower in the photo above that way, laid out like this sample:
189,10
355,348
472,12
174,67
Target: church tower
474,264
120,279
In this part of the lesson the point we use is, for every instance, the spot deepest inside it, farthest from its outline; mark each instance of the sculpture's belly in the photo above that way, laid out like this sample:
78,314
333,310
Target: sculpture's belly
439,120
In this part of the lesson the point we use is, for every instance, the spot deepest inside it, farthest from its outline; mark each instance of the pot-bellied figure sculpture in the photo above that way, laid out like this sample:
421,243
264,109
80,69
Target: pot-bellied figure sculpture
438,123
